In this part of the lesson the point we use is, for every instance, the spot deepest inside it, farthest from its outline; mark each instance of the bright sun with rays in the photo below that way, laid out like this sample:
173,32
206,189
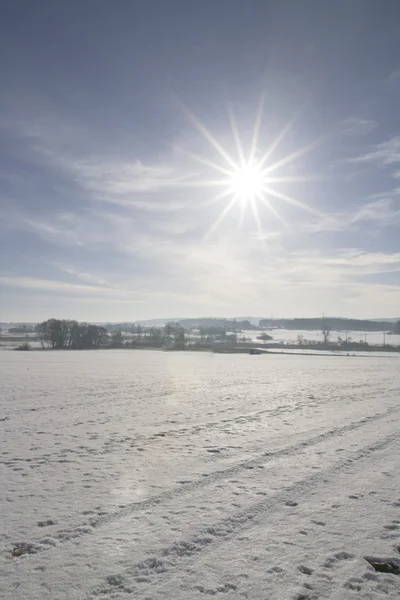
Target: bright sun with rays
248,181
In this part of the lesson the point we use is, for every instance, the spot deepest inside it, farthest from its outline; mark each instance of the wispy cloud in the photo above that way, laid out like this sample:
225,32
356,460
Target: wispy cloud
61,229
382,212
103,174
384,153
83,276
60,287
357,126
142,216
128,183
225,276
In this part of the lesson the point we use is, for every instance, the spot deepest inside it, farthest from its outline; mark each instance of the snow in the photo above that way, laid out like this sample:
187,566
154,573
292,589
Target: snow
374,338
147,475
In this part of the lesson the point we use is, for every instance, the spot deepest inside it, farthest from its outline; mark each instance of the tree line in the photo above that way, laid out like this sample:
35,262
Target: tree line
63,333
68,334
331,323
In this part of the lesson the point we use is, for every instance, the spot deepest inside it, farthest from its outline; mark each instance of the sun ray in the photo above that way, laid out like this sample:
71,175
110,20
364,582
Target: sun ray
273,210
256,216
221,217
300,179
242,208
202,183
296,154
236,136
208,136
214,199
257,127
277,141
292,201
203,161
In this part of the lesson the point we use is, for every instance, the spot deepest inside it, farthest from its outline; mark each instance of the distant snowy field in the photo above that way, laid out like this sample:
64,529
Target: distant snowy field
291,336
287,336
159,475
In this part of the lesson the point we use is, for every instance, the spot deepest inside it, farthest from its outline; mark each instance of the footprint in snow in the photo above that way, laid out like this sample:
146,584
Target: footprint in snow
354,584
276,570
332,561
46,523
392,527
307,586
305,570
384,565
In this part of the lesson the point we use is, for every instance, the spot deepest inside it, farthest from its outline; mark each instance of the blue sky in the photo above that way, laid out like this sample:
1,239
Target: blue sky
119,129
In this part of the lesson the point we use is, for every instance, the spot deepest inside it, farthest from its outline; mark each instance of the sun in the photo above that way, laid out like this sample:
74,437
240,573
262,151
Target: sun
249,180
246,183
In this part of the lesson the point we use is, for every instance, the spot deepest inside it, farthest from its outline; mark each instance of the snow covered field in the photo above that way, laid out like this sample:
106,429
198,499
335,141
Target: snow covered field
152,475
373,338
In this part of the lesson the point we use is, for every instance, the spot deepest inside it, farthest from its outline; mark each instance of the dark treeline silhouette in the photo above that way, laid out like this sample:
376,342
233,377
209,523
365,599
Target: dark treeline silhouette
62,333
331,323
216,323
172,336
65,334
23,329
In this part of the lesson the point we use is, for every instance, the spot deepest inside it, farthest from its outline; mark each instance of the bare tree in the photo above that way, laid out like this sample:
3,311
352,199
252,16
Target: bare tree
42,333
117,340
326,333
155,336
57,333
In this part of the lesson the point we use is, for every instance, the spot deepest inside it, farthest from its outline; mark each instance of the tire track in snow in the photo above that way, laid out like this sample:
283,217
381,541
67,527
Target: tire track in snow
165,561
219,424
240,419
219,475
65,535
113,443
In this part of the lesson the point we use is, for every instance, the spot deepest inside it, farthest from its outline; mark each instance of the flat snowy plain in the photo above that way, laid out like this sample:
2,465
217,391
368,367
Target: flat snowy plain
149,475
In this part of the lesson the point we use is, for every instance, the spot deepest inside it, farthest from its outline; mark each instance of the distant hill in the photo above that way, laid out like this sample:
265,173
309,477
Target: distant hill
306,324
333,323
393,320
217,323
